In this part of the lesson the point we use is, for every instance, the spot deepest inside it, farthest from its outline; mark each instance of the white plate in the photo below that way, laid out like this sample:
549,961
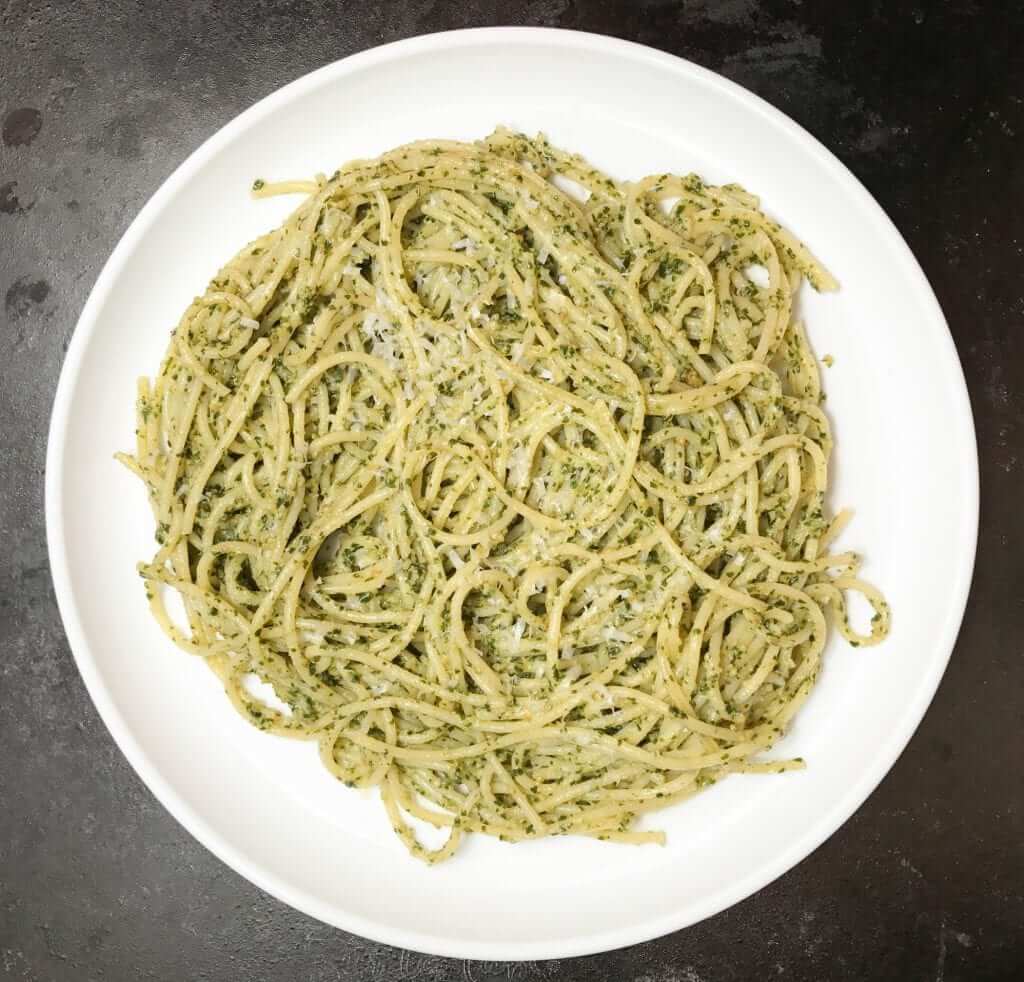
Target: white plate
906,459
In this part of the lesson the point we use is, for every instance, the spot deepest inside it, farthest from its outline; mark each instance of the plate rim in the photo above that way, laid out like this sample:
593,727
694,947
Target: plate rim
194,823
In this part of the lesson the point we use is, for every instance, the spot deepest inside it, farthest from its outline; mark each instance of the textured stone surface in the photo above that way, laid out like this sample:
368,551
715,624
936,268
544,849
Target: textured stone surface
100,101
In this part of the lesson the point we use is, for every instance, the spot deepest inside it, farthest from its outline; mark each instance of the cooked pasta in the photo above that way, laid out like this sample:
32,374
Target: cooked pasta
509,480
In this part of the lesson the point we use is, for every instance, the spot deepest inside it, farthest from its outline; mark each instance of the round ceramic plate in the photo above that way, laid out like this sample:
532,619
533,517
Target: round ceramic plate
906,459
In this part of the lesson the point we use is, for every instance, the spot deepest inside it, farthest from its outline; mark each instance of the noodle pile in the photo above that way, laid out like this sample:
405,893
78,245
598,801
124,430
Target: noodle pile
509,480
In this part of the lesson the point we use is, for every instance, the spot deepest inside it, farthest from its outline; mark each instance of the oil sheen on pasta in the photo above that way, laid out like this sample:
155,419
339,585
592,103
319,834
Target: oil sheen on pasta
509,479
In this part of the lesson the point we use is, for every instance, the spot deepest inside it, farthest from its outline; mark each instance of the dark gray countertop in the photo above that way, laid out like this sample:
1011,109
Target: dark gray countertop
101,101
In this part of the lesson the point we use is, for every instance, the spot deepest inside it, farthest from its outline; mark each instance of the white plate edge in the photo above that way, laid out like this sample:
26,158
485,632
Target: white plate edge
222,848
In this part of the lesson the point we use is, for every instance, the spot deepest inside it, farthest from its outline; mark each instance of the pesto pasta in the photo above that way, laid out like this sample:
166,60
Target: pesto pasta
509,480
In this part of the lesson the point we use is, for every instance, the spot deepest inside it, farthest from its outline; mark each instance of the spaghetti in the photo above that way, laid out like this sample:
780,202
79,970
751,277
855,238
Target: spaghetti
509,479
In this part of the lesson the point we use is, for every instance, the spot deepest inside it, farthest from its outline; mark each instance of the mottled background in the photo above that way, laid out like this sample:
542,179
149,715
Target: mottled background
101,101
